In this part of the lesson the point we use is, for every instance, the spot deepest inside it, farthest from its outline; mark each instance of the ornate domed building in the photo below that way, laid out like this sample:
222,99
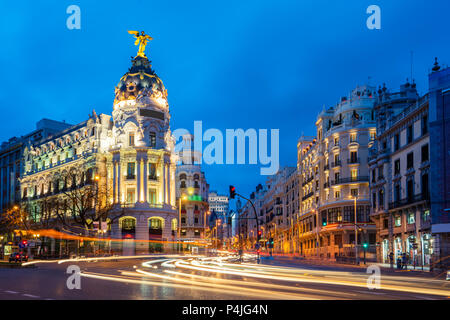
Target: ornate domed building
125,163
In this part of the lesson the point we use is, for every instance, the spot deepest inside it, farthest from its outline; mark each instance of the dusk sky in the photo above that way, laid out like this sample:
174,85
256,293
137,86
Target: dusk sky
232,64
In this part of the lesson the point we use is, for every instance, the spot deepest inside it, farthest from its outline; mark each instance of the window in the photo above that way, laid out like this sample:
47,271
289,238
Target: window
352,137
373,135
373,175
381,198
426,215
425,156
424,184
410,160
130,196
409,134
196,220
336,141
354,192
411,218
336,177
374,200
354,174
152,196
152,139
152,171
397,167
155,223
398,220
131,139
130,170
410,189
397,192
183,220
353,157
337,194
424,125
396,142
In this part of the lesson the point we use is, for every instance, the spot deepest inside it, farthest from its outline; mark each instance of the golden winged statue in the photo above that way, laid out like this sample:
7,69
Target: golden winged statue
141,40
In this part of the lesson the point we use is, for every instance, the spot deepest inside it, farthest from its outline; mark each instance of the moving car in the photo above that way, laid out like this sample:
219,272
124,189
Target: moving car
18,257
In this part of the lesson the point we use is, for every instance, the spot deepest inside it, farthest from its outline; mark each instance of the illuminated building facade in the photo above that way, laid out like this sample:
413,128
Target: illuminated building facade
129,156
334,180
191,192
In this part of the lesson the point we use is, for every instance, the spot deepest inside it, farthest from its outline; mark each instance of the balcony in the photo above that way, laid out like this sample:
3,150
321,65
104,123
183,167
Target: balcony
410,200
336,164
307,196
152,177
350,180
130,177
353,161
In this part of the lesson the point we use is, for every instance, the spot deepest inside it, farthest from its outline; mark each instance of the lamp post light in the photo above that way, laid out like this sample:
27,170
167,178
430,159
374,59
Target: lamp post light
183,197
356,236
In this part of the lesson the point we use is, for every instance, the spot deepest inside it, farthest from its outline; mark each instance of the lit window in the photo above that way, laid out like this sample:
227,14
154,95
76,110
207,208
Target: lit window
130,196
131,139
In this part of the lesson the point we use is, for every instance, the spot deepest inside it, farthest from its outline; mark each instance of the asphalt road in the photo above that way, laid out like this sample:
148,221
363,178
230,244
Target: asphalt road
213,278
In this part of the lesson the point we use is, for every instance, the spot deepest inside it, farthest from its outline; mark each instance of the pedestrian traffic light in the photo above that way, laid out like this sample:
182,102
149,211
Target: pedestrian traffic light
232,192
365,245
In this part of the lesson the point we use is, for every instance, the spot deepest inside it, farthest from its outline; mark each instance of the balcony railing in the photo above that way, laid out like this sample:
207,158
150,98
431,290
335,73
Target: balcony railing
409,200
350,180
336,164
307,196
131,177
353,161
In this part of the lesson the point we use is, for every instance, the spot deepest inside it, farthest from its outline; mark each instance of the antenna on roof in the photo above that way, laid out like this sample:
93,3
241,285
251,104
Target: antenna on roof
412,53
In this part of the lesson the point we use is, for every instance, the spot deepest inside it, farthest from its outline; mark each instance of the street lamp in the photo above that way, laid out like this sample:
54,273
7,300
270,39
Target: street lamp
356,236
183,197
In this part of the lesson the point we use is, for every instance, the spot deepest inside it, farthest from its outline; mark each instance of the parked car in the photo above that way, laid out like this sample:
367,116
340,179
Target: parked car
18,257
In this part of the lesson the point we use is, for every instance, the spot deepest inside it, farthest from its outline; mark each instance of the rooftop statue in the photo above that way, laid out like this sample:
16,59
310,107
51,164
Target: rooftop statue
141,40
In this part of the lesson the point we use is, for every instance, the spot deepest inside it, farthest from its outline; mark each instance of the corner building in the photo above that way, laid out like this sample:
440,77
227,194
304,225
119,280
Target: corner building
131,155
334,181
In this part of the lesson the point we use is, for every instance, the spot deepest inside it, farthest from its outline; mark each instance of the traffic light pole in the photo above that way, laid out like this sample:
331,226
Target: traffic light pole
257,224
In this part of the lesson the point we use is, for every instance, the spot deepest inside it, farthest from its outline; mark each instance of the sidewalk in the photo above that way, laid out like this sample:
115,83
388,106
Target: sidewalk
329,264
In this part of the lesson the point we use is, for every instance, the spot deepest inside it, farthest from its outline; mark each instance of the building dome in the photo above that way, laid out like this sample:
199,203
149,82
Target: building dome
140,80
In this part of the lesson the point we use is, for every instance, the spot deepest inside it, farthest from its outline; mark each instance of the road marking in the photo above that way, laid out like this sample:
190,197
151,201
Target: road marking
30,295
9,291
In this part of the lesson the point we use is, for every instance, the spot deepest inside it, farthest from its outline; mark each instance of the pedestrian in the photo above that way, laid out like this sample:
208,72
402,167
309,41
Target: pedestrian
391,259
404,261
399,263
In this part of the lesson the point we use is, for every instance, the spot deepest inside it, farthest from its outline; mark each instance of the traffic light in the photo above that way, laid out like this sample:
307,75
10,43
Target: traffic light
259,233
232,192
324,221
365,245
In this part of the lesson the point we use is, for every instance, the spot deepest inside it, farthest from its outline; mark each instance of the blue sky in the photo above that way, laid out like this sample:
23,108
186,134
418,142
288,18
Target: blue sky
231,64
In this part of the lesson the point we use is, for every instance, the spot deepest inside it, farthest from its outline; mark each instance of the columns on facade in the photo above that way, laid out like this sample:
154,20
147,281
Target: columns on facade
138,178
119,182
145,177
115,181
164,181
168,185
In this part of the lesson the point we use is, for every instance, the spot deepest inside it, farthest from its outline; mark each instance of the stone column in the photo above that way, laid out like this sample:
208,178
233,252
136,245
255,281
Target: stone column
168,186
119,182
142,234
114,182
145,177
138,179
164,181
